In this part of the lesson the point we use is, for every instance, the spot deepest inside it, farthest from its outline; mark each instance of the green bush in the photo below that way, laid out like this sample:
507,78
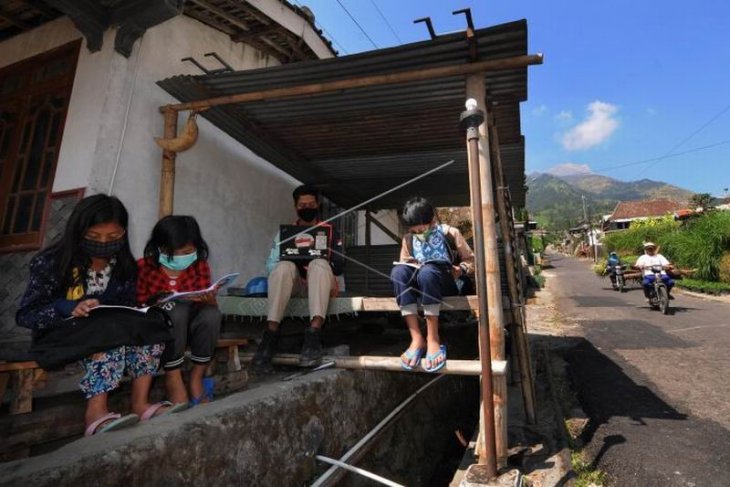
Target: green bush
698,244
707,287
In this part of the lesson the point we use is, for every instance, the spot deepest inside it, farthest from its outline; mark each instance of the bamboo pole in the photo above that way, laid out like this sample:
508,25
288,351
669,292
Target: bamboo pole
520,333
393,364
486,448
167,178
476,89
363,81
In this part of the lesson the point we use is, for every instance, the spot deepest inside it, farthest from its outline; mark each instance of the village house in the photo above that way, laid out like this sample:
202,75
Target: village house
629,211
79,110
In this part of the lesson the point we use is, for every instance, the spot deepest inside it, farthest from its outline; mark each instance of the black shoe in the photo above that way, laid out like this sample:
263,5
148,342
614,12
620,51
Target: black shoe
266,349
312,349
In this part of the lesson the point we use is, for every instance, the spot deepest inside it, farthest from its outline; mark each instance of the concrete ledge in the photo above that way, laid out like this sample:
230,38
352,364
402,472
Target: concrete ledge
262,436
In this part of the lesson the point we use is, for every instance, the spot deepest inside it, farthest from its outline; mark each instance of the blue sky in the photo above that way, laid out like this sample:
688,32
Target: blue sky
623,81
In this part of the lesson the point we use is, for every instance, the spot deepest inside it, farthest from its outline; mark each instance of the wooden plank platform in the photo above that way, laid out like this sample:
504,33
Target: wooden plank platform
257,307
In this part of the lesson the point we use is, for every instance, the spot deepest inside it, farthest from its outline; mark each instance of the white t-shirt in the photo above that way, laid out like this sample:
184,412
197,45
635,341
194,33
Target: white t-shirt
651,260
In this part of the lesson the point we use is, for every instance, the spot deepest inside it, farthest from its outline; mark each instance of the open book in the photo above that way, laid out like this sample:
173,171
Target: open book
418,265
224,281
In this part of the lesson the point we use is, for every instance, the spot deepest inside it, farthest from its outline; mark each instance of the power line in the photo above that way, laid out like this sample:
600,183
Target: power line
654,160
386,21
358,24
680,143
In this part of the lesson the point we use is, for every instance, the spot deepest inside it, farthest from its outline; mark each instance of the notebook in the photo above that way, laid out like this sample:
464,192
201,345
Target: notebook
304,243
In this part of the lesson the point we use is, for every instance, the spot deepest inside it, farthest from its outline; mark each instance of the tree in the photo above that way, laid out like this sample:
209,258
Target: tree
701,200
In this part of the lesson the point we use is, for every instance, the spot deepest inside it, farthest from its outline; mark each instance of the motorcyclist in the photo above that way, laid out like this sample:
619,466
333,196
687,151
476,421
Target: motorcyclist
613,261
652,258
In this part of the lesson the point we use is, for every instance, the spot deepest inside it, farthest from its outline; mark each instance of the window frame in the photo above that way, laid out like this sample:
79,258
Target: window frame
30,90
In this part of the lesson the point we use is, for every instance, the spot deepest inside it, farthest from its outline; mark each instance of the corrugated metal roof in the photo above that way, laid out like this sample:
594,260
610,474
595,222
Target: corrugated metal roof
359,142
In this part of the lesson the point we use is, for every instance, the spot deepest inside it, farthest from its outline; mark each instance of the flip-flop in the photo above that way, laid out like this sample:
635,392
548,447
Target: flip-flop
434,356
207,395
176,408
118,422
150,411
410,355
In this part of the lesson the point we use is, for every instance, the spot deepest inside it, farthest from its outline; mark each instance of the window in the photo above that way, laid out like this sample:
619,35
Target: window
34,96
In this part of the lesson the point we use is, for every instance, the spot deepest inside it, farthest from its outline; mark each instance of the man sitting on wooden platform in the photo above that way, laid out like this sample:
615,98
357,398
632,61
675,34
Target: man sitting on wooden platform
302,263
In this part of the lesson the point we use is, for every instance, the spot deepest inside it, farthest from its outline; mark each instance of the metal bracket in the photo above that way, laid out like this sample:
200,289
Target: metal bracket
427,21
226,69
467,14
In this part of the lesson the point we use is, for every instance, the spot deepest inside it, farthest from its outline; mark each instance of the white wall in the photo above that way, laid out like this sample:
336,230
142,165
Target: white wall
238,198
389,218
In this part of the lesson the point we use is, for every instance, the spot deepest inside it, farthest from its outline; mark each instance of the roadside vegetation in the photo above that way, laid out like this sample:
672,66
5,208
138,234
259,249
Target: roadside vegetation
702,243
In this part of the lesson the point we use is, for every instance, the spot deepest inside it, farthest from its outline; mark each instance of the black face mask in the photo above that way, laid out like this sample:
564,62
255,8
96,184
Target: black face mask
102,250
308,214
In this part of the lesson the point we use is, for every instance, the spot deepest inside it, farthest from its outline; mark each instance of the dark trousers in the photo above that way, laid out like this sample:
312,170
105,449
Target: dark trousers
197,326
427,284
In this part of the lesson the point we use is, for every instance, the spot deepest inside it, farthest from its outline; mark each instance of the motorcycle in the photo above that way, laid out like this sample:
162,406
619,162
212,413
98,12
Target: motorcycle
658,293
618,282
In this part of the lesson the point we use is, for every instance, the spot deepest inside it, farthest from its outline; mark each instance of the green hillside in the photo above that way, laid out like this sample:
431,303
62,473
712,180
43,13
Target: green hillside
555,202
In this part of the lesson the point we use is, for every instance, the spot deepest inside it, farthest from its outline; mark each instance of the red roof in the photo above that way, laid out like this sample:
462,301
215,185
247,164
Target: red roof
628,210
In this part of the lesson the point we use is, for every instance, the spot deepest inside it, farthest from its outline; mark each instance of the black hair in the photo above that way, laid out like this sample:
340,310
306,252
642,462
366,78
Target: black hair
417,211
90,211
171,233
303,190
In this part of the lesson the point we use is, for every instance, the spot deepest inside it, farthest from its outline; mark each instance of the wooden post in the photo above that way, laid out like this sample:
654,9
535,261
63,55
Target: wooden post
167,178
486,448
520,343
476,89
21,383
368,244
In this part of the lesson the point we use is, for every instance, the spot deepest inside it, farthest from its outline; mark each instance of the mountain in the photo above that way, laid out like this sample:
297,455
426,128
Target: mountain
556,202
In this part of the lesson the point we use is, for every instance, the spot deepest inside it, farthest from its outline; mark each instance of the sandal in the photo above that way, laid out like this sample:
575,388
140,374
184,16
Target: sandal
434,356
151,411
114,421
207,395
410,354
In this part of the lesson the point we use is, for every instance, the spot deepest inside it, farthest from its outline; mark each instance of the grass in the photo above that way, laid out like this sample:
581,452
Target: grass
707,287
586,475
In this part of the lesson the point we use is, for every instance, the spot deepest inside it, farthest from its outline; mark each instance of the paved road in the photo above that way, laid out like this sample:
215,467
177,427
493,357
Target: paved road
655,387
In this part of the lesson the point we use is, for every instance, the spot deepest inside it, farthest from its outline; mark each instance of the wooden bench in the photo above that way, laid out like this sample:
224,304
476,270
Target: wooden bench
298,307
25,377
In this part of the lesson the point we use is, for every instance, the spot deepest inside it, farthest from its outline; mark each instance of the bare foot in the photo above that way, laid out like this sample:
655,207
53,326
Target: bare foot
432,349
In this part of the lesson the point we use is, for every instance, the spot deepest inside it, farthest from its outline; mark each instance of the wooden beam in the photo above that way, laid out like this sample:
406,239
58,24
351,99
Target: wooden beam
21,384
504,209
373,362
167,177
219,12
363,81
476,89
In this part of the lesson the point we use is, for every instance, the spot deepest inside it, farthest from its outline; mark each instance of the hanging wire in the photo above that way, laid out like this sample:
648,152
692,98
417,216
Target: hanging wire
681,142
358,24
386,21
661,158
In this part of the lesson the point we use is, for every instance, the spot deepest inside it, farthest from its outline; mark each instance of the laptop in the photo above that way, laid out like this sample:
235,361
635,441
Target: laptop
302,243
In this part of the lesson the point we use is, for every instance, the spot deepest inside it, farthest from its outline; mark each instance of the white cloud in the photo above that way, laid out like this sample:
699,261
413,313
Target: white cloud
651,111
595,129
569,169
564,116
539,111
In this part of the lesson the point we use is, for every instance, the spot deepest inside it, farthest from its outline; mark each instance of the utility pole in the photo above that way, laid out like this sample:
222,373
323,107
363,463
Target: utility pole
591,237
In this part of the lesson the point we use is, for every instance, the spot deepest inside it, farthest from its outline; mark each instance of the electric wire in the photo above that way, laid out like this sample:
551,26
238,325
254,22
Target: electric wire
358,24
680,143
386,21
661,158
